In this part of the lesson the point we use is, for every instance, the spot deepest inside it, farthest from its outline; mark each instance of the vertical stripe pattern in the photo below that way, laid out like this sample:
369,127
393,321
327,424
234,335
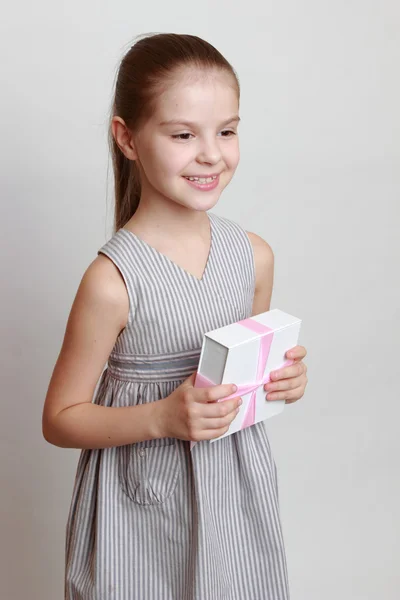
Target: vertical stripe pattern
152,520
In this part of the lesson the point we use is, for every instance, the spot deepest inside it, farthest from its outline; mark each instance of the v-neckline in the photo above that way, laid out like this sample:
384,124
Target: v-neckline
173,263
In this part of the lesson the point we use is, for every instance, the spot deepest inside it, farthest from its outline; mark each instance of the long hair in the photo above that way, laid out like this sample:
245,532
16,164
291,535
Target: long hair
145,70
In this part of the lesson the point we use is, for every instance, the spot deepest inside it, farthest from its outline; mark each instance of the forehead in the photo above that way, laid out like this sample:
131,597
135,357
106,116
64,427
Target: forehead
198,96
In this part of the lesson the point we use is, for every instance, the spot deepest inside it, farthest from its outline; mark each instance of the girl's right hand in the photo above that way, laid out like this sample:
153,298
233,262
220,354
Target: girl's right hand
193,414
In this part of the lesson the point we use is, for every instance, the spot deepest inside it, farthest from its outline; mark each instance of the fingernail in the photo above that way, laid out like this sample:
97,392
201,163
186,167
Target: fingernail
234,387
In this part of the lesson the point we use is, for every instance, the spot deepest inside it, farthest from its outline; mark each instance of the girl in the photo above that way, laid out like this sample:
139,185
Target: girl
149,519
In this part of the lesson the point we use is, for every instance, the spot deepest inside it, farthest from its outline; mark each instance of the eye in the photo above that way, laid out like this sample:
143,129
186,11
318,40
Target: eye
228,133
181,136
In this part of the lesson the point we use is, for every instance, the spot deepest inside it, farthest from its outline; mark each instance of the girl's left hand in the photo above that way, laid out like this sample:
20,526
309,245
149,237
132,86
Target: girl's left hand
289,383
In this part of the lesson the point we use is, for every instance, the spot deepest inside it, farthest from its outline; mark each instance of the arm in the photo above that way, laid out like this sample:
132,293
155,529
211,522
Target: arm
70,420
289,383
264,267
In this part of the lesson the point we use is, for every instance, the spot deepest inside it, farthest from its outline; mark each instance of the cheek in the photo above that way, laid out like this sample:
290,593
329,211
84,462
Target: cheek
232,156
171,161
233,162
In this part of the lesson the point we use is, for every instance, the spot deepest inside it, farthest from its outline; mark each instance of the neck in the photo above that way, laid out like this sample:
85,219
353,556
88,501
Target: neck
168,219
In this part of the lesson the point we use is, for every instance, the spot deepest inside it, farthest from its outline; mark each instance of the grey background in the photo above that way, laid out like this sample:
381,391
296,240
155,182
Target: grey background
318,179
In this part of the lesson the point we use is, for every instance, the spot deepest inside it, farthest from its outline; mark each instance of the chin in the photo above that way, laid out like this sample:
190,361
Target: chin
204,201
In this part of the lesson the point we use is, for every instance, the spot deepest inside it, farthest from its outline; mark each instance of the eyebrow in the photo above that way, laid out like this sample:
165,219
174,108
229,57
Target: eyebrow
191,124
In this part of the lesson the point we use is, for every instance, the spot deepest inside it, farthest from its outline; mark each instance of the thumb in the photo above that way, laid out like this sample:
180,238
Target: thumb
190,381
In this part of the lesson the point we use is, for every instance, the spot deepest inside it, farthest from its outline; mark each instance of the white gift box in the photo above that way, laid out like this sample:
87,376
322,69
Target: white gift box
245,353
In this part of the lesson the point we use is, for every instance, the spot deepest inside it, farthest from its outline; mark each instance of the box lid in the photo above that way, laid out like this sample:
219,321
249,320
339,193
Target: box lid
234,334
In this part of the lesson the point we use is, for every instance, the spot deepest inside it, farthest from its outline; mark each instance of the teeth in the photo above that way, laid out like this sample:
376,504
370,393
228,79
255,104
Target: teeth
202,179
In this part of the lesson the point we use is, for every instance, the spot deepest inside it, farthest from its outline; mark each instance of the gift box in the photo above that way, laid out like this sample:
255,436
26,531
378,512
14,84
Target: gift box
245,353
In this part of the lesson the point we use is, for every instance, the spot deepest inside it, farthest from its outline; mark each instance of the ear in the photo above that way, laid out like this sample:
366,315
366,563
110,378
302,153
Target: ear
123,137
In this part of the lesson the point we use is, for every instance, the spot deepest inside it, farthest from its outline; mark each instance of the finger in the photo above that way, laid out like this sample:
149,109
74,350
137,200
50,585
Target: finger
214,410
291,400
190,381
287,372
212,434
296,353
284,384
215,392
287,395
294,395
219,422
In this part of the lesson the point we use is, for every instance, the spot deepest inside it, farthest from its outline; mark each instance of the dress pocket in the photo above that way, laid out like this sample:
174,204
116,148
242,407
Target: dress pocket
149,471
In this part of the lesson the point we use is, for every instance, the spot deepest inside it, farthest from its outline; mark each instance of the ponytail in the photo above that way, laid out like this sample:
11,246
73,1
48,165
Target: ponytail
126,183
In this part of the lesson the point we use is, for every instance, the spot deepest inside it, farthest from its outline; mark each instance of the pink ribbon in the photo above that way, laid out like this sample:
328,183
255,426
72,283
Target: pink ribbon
267,335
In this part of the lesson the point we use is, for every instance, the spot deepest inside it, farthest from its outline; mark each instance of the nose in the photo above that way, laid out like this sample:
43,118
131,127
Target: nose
209,152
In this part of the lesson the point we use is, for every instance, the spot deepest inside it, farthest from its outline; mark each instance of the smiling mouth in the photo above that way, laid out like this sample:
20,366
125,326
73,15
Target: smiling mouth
202,179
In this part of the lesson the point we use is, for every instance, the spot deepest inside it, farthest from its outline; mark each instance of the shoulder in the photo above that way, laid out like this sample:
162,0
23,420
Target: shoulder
103,289
264,273
262,252
261,249
263,257
259,244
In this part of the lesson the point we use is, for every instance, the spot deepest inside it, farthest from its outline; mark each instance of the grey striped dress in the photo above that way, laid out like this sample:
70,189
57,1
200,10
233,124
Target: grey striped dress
152,520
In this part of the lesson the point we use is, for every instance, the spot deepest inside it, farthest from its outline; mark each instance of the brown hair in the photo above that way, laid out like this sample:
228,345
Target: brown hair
143,73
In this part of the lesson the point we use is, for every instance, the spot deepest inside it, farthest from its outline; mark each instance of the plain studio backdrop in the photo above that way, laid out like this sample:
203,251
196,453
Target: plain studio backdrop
318,179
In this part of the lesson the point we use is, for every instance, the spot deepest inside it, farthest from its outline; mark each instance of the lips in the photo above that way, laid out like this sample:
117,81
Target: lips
203,184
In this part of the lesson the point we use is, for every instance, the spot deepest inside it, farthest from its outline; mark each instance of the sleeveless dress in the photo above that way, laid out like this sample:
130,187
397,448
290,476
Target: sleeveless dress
154,520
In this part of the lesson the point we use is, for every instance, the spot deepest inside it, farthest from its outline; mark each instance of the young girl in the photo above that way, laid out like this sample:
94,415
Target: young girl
150,519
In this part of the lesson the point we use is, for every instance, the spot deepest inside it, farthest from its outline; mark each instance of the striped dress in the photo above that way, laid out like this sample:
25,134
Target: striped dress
152,520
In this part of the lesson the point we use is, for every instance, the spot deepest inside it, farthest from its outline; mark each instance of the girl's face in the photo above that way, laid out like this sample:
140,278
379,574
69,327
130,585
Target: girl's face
192,133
